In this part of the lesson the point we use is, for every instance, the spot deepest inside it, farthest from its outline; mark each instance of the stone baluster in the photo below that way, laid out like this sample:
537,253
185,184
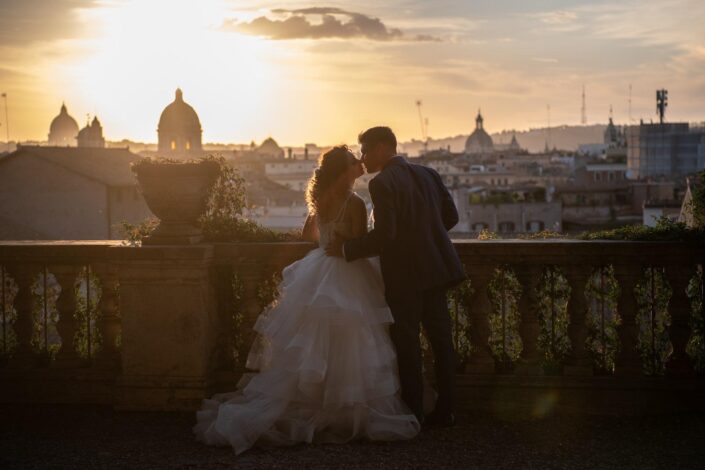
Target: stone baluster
24,275
481,360
679,363
66,306
109,319
530,361
578,361
628,361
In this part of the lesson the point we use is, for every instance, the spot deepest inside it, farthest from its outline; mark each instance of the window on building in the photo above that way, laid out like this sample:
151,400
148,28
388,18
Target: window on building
506,227
534,226
188,145
479,226
173,145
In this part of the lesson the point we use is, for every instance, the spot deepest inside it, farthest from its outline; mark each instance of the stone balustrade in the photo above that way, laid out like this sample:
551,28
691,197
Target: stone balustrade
539,325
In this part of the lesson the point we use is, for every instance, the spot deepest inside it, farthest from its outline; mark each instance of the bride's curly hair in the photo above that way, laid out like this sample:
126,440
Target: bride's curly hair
331,165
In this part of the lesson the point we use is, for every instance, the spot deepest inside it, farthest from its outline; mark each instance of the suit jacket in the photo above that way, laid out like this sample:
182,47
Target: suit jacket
413,212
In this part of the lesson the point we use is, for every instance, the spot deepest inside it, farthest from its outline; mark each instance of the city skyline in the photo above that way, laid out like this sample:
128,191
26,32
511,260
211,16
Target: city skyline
322,72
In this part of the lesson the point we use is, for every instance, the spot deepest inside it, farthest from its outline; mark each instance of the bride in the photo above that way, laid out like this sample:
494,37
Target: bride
327,367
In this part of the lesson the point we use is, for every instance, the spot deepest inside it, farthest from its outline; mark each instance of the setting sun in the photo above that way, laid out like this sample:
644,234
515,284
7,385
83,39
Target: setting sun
144,50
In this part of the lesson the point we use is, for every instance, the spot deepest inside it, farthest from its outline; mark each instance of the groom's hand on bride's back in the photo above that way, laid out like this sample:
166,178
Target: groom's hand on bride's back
335,247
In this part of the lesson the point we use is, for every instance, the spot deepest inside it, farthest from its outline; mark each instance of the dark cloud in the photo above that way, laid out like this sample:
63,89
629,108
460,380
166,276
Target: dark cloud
25,21
334,23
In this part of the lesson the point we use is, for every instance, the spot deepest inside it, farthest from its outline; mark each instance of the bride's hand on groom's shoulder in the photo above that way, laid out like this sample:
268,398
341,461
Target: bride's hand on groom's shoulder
335,247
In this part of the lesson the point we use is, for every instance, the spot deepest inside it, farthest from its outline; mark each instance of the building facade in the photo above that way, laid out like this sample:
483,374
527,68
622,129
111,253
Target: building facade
669,149
60,193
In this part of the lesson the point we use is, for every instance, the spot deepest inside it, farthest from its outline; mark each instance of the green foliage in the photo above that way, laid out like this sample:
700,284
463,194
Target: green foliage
552,308
602,291
698,201
8,315
652,296
458,301
542,235
505,343
227,196
222,221
487,234
87,291
239,346
665,230
45,338
240,230
696,345
133,234
268,291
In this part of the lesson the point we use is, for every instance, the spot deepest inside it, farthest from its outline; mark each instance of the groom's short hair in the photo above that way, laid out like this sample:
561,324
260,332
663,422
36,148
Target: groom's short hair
376,135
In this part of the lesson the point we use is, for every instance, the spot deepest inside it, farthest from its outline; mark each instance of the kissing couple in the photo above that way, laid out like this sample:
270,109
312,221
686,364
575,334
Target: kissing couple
338,354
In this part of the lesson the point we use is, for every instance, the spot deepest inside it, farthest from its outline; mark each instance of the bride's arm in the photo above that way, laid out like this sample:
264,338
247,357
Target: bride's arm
358,216
310,230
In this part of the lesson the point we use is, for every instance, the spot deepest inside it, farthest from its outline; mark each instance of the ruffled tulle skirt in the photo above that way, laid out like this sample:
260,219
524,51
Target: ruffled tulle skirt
327,368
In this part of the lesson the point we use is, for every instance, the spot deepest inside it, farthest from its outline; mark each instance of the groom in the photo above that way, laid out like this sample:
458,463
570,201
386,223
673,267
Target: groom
413,212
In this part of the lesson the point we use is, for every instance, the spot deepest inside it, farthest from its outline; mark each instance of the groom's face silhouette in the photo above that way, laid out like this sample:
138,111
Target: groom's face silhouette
374,156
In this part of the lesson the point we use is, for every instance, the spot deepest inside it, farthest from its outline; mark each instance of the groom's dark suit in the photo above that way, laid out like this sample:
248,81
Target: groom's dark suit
413,212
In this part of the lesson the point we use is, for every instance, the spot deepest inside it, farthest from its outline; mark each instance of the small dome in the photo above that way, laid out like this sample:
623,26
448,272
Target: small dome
63,129
270,148
91,135
179,116
479,141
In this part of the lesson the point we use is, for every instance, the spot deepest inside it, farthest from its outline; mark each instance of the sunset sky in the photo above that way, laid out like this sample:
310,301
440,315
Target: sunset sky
322,71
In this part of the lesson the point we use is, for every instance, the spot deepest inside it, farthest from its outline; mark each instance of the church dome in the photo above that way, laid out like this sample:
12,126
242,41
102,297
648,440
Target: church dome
179,115
63,129
270,148
179,127
91,135
479,141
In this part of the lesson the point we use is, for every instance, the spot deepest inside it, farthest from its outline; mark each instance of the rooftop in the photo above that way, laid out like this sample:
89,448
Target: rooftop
110,166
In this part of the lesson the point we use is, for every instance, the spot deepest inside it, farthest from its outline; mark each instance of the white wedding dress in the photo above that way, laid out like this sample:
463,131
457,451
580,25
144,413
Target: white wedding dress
327,367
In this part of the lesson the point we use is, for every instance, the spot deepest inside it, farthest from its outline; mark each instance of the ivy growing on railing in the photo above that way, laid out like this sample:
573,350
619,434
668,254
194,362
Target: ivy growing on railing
652,296
87,288
552,307
505,343
602,291
268,290
458,302
8,314
45,338
237,321
696,345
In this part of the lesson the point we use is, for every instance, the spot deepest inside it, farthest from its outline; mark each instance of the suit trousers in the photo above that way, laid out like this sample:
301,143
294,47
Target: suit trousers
410,310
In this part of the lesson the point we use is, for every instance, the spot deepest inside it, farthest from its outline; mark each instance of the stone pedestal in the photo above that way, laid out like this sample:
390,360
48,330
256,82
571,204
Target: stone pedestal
169,324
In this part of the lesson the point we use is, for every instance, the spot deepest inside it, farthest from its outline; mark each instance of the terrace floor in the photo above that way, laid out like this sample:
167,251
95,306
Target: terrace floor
43,436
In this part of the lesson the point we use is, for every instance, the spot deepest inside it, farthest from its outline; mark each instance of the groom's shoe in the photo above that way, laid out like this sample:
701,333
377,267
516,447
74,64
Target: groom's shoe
440,420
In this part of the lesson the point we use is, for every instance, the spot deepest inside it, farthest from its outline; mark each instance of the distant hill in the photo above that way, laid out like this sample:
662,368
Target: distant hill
534,140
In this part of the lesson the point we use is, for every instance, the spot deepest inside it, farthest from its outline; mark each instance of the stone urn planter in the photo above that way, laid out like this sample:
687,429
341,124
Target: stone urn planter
177,193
